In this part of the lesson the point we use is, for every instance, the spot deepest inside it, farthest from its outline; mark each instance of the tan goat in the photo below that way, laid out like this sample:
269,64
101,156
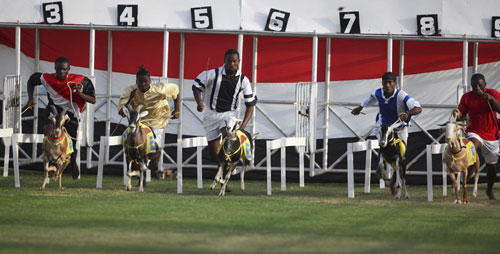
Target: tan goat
460,154
57,147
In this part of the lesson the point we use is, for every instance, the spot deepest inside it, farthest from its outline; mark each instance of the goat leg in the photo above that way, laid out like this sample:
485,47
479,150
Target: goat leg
141,177
398,181
46,175
476,177
217,176
242,175
128,187
464,187
455,186
226,180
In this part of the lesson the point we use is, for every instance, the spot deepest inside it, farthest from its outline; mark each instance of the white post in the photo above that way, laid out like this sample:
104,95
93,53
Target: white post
199,171
368,167
283,164
429,173
350,171
109,92
301,166
18,49
166,37
389,53
464,65
401,63
314,79
35,108
474,60
89,134
240,49
179,131
254,86
268,167
327,100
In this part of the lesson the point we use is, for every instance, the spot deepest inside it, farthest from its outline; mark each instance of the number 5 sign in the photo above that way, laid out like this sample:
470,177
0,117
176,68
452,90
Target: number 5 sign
127,15
201,17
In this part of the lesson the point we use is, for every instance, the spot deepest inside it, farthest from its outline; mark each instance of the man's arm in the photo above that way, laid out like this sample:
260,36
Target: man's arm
248,115
369,100
198,98
33,81
493,101
85,90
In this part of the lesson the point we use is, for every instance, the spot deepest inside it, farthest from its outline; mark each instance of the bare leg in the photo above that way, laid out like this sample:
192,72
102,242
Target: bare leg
491,175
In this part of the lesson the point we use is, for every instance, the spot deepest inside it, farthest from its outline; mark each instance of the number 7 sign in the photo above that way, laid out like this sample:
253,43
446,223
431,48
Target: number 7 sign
349,22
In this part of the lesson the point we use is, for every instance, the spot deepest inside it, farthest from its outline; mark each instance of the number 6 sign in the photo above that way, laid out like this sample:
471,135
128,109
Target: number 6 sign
277,20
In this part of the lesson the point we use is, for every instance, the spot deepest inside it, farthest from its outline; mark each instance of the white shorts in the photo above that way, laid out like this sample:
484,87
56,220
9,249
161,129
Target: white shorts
159,136
489,149
213,122
402,134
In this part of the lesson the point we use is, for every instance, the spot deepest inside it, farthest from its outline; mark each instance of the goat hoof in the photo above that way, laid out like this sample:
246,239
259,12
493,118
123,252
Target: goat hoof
474,194
128,187
457,201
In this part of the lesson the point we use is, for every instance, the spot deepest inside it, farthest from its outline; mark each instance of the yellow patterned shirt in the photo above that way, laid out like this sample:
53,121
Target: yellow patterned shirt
154,101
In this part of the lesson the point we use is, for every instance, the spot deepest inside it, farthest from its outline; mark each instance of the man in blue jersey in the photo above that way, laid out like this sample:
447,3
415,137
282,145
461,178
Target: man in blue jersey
393,104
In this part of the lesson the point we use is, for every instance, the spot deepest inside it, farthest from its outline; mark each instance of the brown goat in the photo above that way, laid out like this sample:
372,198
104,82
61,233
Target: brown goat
57,147
460,154
139,146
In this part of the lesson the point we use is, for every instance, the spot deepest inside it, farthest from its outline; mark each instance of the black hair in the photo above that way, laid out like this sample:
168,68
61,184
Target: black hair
476,78
230,52
142,72
62,59
389,76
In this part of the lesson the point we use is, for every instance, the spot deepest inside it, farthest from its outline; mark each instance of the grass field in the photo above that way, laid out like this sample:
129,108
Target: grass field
318,218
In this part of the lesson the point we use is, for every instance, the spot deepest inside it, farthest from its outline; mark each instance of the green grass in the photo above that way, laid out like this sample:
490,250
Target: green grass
318,218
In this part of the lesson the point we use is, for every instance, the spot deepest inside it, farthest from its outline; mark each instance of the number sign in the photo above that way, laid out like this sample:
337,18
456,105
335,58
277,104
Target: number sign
201,18
53,13
427,25
349,22
127,14
277,20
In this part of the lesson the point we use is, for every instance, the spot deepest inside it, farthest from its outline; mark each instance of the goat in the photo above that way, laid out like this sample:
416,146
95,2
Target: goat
392,150
460,155
139,146
235,147
57,147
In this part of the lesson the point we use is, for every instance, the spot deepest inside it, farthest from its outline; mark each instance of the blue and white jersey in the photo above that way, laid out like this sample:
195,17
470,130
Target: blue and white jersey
390,108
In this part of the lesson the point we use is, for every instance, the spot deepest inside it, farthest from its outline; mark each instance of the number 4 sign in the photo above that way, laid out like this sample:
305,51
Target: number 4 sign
127,15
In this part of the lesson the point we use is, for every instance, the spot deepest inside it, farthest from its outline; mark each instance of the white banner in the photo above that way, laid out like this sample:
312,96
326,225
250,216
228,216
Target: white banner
409,17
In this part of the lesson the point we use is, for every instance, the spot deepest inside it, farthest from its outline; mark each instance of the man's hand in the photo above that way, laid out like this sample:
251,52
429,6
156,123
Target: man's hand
29,105
456,113
175,114
132,96
403,116
78,88
356,110
201,107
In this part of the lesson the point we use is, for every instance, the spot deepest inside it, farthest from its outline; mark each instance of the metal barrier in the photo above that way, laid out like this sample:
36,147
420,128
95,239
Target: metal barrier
306,118
430,150
11,117
22,138
282,143
368,146
199,143
6,136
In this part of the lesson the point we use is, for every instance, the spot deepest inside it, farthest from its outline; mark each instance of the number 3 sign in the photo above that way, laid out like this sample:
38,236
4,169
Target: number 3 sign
53,13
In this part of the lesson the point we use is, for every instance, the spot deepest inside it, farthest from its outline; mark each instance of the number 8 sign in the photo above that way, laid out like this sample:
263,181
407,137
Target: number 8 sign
427,25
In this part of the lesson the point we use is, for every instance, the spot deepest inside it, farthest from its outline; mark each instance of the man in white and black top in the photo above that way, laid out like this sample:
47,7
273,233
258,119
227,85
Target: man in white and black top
221,88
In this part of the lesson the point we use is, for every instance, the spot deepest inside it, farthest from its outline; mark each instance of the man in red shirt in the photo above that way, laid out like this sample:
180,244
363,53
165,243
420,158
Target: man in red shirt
64,91
482,105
